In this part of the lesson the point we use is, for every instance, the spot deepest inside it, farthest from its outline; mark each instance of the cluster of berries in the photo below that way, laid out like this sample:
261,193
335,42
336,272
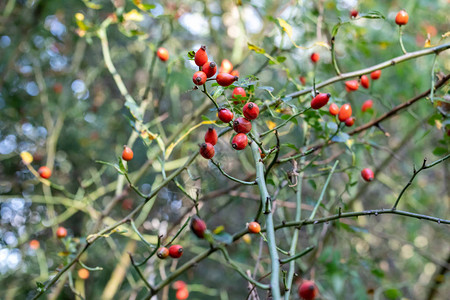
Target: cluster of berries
353,85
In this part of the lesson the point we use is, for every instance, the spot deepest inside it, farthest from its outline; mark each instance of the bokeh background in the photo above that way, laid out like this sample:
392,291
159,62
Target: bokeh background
59,102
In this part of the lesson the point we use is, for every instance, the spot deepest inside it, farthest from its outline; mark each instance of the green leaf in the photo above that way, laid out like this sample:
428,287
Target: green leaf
289,145
280,59
122,166
267,88
110,164
393,293
313,184
439,151
218,92
40,286
191,54
378,273
341,137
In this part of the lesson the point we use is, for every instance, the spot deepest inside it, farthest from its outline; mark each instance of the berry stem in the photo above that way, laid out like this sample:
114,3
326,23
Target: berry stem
291,259
432,80
210,97
284,123
400,35
333,57
271,241
323,191
231,177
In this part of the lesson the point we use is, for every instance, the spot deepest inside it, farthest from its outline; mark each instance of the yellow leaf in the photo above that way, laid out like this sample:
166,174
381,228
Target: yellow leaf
79,16
247,239
286,27
445,35
270,124
133,15
255,48
218,229
427,44
350,142
27,158
149,135
438,124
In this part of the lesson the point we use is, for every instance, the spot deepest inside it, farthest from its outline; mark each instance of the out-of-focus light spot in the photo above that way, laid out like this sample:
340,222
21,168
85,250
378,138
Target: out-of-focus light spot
32,89
216,22
214,8
17,203
407,251
10,238
56,28
429,268
38,41
146,188
5,41
26,69
14,259
78,86
233,31
5,187
89,117
42,132
28,130
196,23
176,205
158,10
253,22
8,145
58,63
346,4
420,241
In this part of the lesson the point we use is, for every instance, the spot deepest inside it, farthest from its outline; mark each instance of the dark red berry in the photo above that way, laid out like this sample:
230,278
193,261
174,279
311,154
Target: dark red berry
320,100
162,252
365,81
210,69
375,74
238,91
201,57
367,105
367,174
334,109
250,110
211,136
198,227
349,122
207,150
242,125
353,13
315,57
225,79
345,112
199,78
225,115
175,251
240,141
307,290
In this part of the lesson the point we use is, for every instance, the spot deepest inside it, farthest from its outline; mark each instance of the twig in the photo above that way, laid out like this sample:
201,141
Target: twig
294,257
323,191
231,177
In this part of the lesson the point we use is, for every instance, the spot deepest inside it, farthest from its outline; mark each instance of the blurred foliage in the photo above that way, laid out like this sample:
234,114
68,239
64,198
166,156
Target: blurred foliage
59,102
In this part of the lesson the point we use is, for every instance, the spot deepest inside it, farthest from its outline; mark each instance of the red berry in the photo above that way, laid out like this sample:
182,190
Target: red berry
225,115
198,227
34,244
199,78
242,125
240,141
365,81
58,88
350,121
320,100
235,73
315,57
211,136
302,80
238,91
334,109
210,69
254,227
127,204
182,294
162,252
367,105
307,290
225,79
353,13
175,251
375,74
345,112
226,66
351,85
162,54
367,174
179,284
45,172
401,18
201,57
207,150
127,153
250,110
61,232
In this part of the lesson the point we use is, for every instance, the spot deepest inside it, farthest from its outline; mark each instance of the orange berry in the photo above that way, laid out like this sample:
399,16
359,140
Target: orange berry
34,244
226,66
182,294
45,172
334,109
254,227
162,54
61,232
127,153
401,18
83,274
345,112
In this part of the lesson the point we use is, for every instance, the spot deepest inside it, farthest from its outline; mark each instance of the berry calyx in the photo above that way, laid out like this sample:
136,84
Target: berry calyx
315,57
162,252
207,150
198,227
211,136
353,13
320,100
349,122
401,18
367,105
365,81
201,57
199,78
61,232
334,109
225,115
375,74
307,290
175,251
254,227
345,112
45,172
250,110
162,54
210,69
226,66
34,244
225,79
182,294
238,91
351,85
242,125
367,174
83,273
127,153
239,141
